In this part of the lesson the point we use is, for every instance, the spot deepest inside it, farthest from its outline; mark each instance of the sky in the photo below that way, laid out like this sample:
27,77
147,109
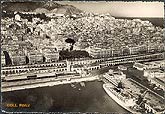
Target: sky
122,9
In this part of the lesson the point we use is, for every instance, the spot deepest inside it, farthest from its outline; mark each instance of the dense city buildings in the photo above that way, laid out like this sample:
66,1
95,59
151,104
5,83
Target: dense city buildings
47,46
100,35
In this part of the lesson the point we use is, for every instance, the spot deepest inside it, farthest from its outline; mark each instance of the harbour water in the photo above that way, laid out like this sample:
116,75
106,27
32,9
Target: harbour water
63,98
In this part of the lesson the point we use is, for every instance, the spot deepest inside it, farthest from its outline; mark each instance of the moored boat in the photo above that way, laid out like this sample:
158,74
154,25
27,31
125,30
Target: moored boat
127,103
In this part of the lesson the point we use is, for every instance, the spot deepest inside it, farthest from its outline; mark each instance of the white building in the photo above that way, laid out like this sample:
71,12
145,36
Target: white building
117,75
155,64
139,66
99,53
35,57
18,59
50,54
154,73
17,17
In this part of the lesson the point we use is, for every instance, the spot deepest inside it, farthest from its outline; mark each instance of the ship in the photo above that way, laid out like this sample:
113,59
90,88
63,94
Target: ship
127,103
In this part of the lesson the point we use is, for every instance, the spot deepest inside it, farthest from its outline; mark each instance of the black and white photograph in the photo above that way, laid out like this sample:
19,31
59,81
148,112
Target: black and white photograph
82,57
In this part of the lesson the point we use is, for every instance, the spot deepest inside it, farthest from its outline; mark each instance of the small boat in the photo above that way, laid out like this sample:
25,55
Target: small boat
82,84
72,85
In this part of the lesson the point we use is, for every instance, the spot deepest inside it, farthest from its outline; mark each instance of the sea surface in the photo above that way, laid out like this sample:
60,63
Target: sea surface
63,98
155,21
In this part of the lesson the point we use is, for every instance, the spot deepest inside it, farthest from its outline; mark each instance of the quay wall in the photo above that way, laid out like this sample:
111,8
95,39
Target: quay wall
51,83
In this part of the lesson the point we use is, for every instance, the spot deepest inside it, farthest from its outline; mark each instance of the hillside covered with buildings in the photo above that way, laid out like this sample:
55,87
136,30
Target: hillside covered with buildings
39,34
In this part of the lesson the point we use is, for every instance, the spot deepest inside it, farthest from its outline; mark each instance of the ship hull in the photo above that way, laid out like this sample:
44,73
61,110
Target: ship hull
118,101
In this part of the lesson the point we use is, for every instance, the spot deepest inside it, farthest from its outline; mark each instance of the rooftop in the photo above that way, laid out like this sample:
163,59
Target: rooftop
139,65
160,81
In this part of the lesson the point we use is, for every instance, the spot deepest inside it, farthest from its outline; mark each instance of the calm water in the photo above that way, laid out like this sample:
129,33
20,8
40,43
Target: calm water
64,98
155,21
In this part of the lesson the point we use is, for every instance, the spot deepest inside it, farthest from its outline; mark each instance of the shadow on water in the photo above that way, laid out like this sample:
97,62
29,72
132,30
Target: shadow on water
64,98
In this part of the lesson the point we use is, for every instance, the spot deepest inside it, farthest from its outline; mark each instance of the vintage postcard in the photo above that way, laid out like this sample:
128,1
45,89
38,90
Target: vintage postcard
82,57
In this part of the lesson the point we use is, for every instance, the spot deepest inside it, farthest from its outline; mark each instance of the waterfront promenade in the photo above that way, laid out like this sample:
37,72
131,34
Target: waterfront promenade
20,85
